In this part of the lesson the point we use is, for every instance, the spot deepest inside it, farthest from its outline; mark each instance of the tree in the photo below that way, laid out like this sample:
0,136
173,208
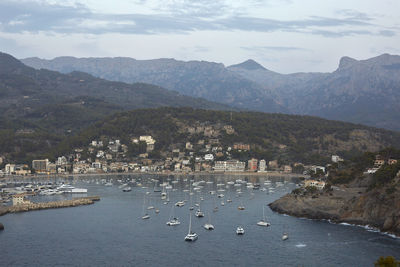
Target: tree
389,261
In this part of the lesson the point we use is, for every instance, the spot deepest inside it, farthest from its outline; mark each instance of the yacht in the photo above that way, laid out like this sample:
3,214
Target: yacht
191,236
239,230
146,216
66,188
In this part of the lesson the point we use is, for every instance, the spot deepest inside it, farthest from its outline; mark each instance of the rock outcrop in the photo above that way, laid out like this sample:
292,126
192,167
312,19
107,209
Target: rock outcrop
378,208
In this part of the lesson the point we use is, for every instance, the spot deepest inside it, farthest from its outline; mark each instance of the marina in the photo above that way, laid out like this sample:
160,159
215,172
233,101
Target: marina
113,230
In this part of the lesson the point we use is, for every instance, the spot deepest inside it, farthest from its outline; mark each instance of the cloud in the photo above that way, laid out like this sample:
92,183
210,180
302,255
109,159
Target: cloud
176,16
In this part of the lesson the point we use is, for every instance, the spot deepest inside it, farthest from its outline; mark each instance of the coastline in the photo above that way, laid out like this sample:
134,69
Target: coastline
352,206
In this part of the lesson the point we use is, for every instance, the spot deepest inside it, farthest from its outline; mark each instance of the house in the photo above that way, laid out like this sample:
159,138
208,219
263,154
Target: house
318,184
336,159
273,164
379,163
392,161
241,146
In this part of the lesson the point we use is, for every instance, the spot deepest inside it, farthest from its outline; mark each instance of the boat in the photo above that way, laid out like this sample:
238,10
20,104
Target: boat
241,206
240,230
263,222
180,204
209,226
173,221
285,236
191,236
199,213
127,189
66,188
145,214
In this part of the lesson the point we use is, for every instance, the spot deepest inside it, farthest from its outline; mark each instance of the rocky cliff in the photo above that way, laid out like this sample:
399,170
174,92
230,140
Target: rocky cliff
378,208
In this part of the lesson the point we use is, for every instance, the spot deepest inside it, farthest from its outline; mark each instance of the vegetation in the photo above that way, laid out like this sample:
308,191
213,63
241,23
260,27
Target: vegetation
388,261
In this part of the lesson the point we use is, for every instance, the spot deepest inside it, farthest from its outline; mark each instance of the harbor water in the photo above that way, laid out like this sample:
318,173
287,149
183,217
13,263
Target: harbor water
112,233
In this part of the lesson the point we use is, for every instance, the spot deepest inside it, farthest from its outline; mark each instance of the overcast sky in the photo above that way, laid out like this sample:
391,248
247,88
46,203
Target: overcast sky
283,35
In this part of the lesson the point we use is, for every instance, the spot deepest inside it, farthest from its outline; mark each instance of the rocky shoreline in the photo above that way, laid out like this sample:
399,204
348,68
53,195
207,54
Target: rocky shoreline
353,205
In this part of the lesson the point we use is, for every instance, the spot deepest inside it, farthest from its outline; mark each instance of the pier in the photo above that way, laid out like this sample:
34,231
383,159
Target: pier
49,205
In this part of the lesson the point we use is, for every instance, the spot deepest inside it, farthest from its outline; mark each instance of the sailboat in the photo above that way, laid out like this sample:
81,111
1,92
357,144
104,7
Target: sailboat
241,206
191,236
145,214
173,221
199,213
263,222
208,225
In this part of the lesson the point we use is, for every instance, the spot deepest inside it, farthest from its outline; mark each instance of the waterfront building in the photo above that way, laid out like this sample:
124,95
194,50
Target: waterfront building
262,166
40,165
9,168
229,166
252,164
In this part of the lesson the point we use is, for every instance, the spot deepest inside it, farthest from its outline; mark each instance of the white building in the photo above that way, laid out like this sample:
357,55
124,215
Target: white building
262,166
209,157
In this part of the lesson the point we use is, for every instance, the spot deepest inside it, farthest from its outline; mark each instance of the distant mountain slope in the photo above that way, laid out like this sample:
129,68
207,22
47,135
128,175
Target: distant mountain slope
365,91
360,91
208,80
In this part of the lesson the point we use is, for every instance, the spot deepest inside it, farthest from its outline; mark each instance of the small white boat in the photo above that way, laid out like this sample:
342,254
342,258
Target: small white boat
173,222
127,189
285,236
209,226
199,213
240,230
180,204
146,216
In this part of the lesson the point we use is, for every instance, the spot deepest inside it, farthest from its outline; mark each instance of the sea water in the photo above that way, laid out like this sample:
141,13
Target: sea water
112,233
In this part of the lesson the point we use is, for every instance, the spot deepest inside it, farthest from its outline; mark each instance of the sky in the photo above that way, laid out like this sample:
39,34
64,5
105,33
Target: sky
285,36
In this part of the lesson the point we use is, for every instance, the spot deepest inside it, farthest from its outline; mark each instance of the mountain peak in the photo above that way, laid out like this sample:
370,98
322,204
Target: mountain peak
346,62
249,64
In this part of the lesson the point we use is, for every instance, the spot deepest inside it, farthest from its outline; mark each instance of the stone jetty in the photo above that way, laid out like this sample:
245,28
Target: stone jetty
49,205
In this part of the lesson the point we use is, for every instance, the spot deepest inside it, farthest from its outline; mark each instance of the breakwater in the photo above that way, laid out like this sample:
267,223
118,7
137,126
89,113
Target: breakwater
49,205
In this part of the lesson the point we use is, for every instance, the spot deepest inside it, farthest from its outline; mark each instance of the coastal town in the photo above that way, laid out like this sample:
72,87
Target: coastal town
113,156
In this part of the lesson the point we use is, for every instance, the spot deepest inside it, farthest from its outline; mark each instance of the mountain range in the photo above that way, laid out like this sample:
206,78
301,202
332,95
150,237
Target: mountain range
359,91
